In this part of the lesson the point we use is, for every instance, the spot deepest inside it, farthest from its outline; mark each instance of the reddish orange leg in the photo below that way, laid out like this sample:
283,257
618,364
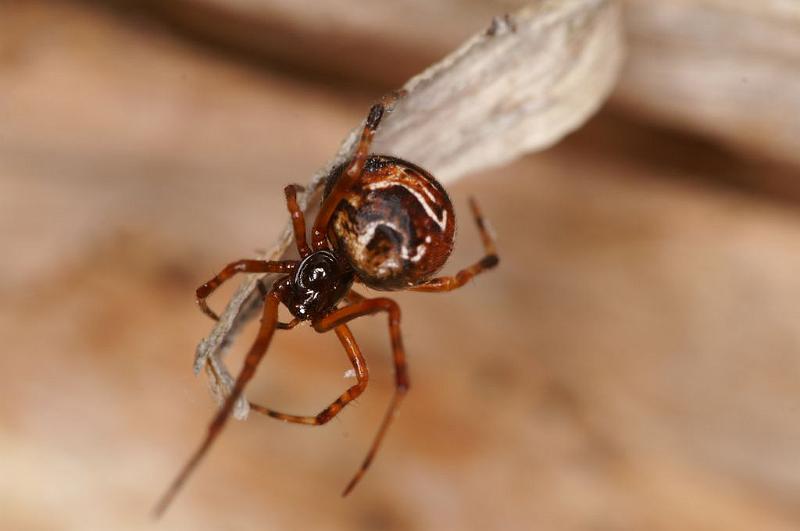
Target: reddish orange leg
298,219
240,266
362,376
489,260
287,326
347,179
367,307
257,351
353,171
354,296
280,325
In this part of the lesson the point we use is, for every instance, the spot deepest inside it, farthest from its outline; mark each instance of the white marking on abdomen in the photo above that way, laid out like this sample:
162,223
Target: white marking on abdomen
426,205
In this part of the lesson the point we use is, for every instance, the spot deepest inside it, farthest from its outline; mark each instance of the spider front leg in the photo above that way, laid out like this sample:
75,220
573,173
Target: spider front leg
353,170
298,219
360,307
489,260
254,356
240,266
362,376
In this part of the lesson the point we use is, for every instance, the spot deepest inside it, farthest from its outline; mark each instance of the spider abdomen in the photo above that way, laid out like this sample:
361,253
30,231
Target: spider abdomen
396,226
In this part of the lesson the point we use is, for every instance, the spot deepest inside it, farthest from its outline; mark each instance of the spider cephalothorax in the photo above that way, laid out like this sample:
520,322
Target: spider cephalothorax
321,281
384,222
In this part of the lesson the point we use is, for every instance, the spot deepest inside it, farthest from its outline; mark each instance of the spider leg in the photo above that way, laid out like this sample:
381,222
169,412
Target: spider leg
368,307
240,266
362,376
348,177
298,219
488,261
280,325
257,351
354,296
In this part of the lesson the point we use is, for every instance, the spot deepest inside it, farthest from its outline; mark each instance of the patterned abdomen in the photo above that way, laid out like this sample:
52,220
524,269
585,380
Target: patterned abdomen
395,226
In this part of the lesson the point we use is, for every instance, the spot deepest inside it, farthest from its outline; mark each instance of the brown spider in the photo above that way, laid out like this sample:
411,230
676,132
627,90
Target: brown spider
384,222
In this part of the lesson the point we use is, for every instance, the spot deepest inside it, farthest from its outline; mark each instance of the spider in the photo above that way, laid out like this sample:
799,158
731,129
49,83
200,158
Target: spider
385,223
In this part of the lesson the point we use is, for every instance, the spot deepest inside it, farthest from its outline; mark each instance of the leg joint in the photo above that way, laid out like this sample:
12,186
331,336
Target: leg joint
489,261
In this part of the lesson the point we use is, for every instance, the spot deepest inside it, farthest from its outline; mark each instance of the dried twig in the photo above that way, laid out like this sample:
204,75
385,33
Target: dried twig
519,86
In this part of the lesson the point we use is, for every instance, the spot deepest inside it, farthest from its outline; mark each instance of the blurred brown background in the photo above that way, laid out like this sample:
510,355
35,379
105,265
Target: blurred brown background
633,364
